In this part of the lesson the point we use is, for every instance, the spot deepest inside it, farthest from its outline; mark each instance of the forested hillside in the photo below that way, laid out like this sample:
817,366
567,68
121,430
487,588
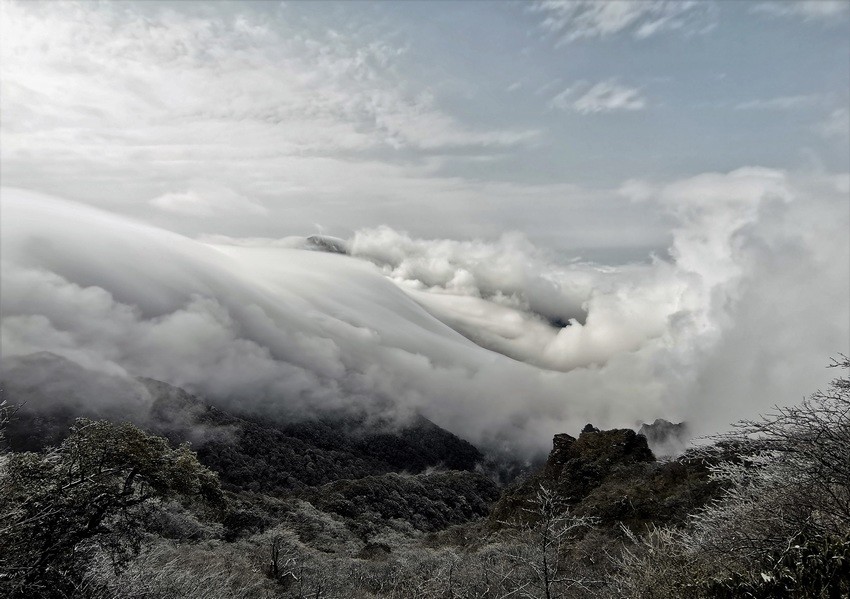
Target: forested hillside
198,502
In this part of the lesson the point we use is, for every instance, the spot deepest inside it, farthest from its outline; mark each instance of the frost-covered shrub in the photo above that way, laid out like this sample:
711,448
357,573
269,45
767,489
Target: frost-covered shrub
780,527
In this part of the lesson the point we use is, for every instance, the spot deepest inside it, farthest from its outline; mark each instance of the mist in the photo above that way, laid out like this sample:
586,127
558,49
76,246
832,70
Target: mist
498,341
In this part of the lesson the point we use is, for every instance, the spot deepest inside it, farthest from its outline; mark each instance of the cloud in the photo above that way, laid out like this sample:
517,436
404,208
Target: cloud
259,123
264,103
780,103
212,200
470,333
509,298
605,96
572,20
836,125
807,10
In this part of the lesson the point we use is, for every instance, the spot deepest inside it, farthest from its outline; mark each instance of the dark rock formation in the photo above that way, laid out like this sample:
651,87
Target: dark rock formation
613,476
326,243
580,464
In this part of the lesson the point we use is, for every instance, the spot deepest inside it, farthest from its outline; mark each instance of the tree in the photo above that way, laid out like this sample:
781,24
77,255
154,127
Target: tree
811,444
788,479
543,536
781,528
60,508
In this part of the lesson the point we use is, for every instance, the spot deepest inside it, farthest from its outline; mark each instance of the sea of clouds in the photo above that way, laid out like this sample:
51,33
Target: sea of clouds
499,341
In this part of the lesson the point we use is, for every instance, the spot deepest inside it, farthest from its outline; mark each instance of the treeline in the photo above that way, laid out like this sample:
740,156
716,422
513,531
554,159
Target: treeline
114,511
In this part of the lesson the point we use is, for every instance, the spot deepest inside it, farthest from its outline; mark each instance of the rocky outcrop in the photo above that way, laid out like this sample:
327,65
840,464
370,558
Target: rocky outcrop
613,476
577,465
326,243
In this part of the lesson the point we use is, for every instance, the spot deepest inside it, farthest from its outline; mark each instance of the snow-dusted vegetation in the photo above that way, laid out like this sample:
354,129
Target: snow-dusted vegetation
117,512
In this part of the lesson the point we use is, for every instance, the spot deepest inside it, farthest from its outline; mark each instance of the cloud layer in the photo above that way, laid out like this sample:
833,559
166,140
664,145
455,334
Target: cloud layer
573,20
605,96
273,119
469,333
203,115
808,10
477,302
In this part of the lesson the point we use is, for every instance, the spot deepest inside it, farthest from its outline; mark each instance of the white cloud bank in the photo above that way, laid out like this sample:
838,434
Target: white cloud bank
750,308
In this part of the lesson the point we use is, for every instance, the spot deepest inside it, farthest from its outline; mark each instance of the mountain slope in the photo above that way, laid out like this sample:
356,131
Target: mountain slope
248,452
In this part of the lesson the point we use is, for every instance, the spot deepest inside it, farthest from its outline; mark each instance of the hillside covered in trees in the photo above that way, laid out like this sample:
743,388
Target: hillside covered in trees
194,501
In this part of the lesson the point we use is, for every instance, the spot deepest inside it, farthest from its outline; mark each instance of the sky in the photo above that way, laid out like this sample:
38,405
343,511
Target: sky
671,180
459,119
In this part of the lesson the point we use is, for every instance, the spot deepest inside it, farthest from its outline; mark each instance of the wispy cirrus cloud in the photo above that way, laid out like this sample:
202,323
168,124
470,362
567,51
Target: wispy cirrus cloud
572,20
807,10
160,88
269,82
259,112
835,125
605,96
780,103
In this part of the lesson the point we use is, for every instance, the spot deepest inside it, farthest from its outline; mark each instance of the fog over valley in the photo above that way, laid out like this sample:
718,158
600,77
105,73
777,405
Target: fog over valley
497,341
288,209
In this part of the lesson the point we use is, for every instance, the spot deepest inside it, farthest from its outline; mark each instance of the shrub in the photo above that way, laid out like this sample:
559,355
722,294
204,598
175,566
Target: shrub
59,508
